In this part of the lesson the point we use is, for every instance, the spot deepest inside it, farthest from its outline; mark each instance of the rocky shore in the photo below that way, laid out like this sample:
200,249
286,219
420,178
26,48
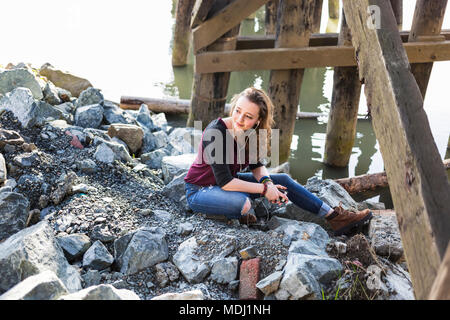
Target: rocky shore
92,206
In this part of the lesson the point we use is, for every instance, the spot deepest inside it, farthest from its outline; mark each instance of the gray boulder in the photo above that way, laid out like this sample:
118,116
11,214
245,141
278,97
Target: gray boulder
160,139
89,96
191,267
160,121
89,116
331,193
97,257
42,286
154,158
173,166
114,114
119,150
304,275
270,284
224,270
21,103
22,77
140,249
14,209
51,95
175,189
104,154
148,142
74,245
31,251
102,292
144,118
25,159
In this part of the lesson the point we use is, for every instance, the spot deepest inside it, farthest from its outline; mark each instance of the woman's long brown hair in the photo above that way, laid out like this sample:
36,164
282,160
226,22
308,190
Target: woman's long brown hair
262,100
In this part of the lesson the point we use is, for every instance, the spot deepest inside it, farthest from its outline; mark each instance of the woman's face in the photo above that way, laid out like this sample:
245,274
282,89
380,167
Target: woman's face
245,114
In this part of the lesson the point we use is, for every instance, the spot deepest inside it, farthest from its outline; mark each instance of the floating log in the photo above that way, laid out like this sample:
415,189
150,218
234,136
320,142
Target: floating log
343,116
417,179
182,32
182,106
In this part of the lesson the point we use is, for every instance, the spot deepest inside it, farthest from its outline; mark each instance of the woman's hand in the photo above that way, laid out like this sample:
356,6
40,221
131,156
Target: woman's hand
273,194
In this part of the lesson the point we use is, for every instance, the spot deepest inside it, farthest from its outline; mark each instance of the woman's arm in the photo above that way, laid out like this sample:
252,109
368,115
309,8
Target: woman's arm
260,172
244,186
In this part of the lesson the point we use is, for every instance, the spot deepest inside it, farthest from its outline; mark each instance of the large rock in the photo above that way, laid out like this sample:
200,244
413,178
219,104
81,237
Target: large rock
140,249
31,251
14,209
104,154
175,165
119,150
51,95
132,135
74,245
75,85
144,118
190,266
331,193
114,114
21,103
42,286
385,234
270,284
182,140
102,292
3,171
12,79
224,270
188,295
97,257
89,116
154,158
88,97
297,230
45,112
304,275
175,189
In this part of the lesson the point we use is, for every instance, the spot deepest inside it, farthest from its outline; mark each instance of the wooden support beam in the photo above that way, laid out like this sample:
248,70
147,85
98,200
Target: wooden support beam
426,25
307,57
441,286
227,18
316,40
317,16
333,9
397,7
343,116
182,33
271,17
295,20
417,180
209,91
200,12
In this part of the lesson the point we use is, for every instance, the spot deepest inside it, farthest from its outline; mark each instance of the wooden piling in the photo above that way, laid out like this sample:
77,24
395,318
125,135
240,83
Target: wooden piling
342,119
333,9
426,26
317,16
271,17
397,7
182,32
417,180
295,19
209,90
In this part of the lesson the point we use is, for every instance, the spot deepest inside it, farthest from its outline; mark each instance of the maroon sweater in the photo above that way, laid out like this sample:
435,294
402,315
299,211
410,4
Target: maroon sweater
206,173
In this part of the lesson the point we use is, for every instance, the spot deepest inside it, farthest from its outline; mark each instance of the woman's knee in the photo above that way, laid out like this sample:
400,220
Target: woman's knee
281,178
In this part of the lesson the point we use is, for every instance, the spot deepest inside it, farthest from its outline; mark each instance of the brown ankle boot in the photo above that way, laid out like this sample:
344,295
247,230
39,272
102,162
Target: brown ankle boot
342,221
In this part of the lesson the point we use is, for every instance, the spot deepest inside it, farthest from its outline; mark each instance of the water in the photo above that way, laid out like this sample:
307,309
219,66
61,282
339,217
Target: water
124,48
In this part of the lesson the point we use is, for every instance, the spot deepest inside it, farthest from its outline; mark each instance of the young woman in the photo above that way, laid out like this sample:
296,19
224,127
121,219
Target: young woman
216,185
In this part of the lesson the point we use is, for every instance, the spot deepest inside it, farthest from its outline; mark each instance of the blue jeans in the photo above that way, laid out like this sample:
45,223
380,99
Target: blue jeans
212,200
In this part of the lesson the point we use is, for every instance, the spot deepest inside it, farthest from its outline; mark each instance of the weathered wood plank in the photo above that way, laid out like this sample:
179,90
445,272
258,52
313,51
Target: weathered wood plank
427,22
227,18
416,175
182,32
271,17
200,12
441,286
296,18
307,57
397,7
316,40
